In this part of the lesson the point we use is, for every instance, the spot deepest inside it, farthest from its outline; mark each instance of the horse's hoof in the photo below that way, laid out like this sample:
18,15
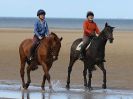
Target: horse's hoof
90,88
104,86
85,84
22,88
86,88
26,86
52,90
43,89
50,87
68,86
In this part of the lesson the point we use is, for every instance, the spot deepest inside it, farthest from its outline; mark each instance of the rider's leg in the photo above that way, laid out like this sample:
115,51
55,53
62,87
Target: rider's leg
33,48
86,41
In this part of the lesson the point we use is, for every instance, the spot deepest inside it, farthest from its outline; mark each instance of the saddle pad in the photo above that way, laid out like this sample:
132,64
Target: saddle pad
78,48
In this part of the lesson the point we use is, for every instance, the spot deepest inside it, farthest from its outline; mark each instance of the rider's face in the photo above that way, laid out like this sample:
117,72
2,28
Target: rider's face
42,17
90,17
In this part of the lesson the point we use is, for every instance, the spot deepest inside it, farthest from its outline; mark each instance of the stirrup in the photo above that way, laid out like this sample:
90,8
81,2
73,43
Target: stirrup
29,59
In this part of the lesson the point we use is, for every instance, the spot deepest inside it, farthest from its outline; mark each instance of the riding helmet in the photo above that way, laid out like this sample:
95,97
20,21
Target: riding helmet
89,13
41,12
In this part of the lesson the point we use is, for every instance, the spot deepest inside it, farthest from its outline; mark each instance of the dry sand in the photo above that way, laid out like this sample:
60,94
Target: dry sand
119,56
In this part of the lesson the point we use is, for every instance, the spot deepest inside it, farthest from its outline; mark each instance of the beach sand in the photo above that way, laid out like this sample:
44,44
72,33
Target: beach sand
119,57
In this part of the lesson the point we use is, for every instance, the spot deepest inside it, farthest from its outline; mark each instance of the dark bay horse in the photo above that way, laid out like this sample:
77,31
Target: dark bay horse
46,54
96,49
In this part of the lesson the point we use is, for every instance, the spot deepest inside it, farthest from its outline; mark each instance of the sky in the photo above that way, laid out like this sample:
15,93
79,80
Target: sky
67,8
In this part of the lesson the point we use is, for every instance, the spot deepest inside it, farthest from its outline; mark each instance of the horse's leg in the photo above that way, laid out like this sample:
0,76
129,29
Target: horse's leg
28,76
22,72
101,66
46,71
90,76
44,79
72,61
43,83
84,74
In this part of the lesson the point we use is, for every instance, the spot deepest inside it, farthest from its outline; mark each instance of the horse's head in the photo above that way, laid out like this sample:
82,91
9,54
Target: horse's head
108,32
56,45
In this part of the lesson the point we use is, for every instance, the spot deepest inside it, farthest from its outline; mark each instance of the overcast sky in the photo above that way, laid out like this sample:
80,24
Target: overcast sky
67,8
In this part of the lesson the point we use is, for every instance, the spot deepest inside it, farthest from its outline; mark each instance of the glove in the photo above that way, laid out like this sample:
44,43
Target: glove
40,37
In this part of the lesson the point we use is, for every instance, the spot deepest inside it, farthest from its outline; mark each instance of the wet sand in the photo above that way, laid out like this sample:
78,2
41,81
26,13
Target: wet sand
119,57
15,92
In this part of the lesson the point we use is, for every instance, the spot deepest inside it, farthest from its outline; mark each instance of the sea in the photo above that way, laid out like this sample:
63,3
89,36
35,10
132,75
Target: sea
65,23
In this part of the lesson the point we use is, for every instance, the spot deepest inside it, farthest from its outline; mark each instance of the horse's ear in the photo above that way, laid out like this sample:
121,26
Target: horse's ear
106,24
52,32
61,39
112,27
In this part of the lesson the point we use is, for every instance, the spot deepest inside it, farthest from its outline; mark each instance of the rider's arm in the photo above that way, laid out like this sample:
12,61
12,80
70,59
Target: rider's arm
36,29
85,28
45,30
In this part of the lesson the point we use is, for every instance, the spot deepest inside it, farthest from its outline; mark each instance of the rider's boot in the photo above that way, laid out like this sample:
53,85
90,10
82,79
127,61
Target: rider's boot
32,52
82,52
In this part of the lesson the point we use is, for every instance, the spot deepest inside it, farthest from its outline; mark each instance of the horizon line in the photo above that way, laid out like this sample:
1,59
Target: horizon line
69,18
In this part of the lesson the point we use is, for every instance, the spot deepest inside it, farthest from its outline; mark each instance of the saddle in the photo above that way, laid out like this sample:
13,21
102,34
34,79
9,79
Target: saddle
78,48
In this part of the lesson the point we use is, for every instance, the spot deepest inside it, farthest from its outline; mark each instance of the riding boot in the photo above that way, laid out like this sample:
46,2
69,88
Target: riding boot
82,52
32,51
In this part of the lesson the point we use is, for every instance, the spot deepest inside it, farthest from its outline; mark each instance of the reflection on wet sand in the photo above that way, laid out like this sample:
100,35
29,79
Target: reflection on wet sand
98,94
41,95
76,92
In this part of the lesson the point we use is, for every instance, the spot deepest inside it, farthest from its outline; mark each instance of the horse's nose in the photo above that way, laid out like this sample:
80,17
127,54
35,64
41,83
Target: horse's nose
55,57
112,38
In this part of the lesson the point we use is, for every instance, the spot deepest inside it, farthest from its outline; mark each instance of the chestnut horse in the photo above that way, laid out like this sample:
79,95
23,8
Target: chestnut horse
46,53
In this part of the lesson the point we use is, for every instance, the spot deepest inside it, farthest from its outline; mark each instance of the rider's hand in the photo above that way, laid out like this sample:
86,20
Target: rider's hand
93,34
40,37
97,35
46,35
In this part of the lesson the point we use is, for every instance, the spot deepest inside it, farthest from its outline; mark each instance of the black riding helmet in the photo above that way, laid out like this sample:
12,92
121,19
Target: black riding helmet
41,12
90,13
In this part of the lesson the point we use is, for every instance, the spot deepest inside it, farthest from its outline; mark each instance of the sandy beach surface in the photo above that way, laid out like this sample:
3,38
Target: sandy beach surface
119,57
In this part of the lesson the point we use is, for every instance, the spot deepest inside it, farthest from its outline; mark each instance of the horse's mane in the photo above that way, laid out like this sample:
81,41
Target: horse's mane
103,31
101,35
52,33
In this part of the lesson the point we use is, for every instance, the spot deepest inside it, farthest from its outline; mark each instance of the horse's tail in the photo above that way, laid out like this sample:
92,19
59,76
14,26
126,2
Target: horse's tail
21,52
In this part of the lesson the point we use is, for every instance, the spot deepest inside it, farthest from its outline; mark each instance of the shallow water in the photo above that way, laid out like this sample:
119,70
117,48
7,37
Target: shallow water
14,91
